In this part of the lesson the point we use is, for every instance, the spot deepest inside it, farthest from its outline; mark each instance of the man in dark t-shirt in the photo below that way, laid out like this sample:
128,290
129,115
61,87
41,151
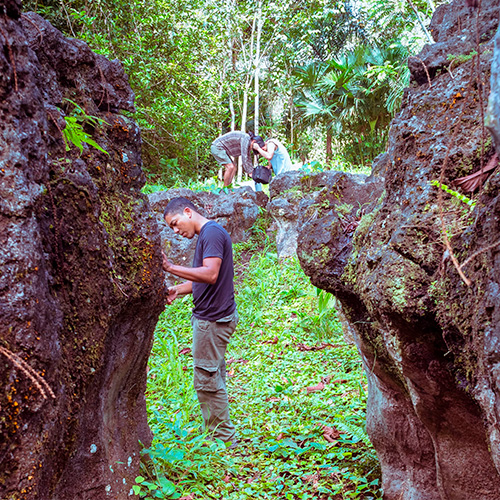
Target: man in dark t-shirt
214,319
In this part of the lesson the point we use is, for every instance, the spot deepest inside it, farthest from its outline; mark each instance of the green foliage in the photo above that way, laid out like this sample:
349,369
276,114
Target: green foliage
283,452
355,95
405,21
74,133
191,62
160,488
154,188
459,196
460,58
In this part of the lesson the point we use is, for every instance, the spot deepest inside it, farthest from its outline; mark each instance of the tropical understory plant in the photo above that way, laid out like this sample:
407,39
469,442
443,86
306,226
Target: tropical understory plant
297,394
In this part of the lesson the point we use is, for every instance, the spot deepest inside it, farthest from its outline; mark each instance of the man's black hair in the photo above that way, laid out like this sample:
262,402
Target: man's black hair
177,206
258,139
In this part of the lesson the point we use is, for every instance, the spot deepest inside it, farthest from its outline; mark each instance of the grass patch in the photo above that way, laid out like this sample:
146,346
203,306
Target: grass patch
210,184
297,395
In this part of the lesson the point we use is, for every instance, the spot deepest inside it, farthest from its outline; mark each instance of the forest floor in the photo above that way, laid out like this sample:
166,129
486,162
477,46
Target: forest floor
297,396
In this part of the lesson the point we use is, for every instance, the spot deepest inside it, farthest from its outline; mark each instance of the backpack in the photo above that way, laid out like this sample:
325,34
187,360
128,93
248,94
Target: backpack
261,174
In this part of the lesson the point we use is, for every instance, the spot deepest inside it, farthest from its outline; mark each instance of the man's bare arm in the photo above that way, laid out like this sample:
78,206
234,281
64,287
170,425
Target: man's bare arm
271,147
178,290
207,273
184,288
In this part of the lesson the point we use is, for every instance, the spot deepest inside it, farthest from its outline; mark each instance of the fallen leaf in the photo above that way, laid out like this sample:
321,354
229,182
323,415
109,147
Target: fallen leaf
313,478
186,350
315,388
471,182
317,347
184,368
240,360
331,434
274,341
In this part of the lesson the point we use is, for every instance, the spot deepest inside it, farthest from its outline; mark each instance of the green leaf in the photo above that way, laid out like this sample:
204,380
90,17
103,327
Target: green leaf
168,488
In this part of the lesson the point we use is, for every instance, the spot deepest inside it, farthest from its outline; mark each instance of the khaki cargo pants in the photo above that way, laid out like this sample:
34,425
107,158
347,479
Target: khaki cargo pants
210,340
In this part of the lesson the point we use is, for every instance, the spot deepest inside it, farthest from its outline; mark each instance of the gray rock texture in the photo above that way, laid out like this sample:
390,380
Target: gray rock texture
299,198
80,272
236,211
493,114
430,343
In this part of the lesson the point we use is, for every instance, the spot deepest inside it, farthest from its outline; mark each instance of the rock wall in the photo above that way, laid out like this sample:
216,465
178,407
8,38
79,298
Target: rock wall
430,343
328,198
80,270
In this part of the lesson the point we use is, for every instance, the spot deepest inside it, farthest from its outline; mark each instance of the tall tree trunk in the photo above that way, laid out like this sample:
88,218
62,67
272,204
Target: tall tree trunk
424,29
248,82
244,109
328,145
233,115
257,67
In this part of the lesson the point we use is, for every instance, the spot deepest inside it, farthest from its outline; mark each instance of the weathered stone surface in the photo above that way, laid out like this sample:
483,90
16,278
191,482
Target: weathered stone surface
493,114
453,27
236,211
297,198
430,344
80,272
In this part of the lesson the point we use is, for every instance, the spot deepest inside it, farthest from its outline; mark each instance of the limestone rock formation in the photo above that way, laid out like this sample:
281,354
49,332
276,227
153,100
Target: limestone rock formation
325,198
80,270
493,115
236,211
430,343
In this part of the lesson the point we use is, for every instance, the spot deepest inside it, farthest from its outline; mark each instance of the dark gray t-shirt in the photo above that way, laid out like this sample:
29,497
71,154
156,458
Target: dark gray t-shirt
213,302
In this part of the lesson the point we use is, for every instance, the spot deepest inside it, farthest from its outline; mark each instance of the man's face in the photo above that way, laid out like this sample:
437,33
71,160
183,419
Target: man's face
182,223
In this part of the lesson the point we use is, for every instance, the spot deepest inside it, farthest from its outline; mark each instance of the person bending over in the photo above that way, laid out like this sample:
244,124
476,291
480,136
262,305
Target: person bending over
235,144
215,317
276,153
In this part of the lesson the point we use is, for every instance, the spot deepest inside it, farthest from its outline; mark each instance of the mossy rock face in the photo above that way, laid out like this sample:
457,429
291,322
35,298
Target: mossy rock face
81,284
326,195
429,341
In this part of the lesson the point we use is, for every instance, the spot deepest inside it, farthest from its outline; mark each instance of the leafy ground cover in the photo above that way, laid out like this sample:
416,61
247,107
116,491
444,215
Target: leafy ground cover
297,395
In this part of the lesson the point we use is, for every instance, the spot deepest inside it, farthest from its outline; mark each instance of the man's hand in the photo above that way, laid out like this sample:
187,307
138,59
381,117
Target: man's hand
172,294
166,263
